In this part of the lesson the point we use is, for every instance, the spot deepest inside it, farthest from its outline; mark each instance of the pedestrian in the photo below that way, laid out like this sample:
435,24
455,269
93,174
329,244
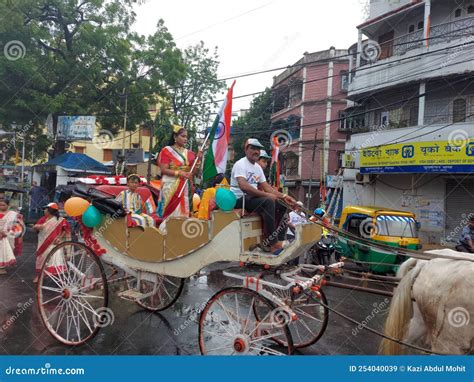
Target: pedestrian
51,229
295,218
466,241
38,200
12,230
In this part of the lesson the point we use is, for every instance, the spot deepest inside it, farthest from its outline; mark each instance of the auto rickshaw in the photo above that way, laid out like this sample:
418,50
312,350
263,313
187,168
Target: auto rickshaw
383,225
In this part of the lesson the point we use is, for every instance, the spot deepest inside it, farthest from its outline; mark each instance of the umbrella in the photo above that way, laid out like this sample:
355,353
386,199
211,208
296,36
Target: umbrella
11,187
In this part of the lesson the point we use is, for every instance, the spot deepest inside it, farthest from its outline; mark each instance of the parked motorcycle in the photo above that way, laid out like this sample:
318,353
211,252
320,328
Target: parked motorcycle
324,251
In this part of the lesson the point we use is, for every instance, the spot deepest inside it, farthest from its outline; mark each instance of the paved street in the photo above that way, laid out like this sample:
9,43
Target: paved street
175,331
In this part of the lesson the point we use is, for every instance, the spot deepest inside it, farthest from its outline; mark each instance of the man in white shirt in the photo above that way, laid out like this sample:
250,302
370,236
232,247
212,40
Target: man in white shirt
247,176
296,217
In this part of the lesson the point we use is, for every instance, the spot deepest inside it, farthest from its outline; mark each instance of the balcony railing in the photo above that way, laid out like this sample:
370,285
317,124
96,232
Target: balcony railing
438,33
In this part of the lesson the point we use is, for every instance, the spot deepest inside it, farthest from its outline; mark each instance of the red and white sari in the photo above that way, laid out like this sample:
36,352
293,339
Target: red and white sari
171,186
12,226
53,230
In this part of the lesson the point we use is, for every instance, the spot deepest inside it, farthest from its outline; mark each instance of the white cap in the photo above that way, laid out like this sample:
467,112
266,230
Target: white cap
264,154
253,142
299,203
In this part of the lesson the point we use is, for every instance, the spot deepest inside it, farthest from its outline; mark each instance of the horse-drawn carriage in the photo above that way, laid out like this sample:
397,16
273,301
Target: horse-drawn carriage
273,304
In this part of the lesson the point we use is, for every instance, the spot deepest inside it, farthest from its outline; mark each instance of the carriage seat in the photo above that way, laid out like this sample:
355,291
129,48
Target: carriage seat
144,193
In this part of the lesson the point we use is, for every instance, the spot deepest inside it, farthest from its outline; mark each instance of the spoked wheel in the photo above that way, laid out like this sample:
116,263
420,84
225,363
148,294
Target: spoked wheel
160,294
73,294
312,317
227,325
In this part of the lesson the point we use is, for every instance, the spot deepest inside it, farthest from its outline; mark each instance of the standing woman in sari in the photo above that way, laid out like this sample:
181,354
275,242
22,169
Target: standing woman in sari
12,229
51,228
175,162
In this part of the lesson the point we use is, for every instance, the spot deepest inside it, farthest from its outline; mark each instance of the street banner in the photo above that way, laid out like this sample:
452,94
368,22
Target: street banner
418,157
71,128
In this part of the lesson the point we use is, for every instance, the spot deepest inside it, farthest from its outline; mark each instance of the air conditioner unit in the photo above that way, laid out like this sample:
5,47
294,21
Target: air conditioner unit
364,178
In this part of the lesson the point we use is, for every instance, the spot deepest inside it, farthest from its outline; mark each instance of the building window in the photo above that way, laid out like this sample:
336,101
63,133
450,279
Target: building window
458,12
421,25
79,150
107,155
342,120
291,164
145,132
344,74
413,118
294,126
411,28
135,145
459,110
470,9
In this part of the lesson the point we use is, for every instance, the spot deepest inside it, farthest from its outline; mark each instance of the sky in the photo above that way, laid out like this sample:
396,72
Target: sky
255,35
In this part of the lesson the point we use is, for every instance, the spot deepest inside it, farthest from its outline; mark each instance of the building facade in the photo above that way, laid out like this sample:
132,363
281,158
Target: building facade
307,100
410,120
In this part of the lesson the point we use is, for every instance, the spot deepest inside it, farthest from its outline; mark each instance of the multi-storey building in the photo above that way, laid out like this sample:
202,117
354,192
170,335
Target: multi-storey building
410,122
307,100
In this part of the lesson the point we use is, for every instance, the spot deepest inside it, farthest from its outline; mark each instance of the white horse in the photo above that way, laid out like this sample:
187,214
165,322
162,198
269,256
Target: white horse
441,317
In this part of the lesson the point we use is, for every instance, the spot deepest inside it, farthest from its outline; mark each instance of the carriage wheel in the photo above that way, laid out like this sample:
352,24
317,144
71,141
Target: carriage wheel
312,317
227,325
73,294
167,290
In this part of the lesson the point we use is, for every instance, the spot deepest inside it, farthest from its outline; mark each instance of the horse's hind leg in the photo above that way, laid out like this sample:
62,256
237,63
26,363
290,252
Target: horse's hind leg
417,332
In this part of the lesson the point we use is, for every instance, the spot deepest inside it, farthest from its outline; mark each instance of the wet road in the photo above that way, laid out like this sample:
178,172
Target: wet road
172,332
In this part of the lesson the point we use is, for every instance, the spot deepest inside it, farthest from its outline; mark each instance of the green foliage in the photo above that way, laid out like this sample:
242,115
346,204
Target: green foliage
254,124
80,57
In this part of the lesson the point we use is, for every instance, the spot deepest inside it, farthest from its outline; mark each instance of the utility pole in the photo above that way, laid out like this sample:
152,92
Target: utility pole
124,121
150,147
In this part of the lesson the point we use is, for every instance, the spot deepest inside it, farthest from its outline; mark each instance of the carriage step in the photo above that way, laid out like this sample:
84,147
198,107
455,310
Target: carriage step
131,295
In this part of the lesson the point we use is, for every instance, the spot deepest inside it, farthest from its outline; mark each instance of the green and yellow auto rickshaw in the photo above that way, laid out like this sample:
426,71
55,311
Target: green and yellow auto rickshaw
382,225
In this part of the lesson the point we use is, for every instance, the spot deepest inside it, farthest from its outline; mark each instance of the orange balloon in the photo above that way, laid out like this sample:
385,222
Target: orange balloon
76,206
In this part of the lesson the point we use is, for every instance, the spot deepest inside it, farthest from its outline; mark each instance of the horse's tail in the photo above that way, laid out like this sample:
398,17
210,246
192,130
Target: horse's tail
401,308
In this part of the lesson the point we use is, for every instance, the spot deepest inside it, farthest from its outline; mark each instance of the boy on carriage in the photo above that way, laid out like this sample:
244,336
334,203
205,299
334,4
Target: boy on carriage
139,212
246,179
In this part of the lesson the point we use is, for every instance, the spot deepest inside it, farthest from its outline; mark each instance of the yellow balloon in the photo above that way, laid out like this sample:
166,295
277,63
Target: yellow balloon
76,206
196,202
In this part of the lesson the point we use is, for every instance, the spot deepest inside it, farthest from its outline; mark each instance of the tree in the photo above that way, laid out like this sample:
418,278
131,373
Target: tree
193,97
256,123
80,58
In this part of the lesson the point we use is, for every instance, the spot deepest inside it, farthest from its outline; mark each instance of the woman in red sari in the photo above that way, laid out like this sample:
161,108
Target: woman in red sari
51,228
175,162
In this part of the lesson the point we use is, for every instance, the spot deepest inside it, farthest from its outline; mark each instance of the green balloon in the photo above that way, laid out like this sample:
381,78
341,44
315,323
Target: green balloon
225,199
92,217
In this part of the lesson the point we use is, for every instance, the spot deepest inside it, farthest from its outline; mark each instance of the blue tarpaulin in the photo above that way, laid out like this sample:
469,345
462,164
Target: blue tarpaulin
78,162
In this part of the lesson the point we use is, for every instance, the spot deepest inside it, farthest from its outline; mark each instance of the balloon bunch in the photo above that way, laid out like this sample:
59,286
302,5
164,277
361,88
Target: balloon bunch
75,207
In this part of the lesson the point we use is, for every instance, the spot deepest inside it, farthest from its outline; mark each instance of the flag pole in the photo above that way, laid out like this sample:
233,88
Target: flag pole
202,148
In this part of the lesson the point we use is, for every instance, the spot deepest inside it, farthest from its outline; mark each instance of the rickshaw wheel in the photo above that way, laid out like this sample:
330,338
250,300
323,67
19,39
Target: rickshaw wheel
168,289
227,325
312,317
72,294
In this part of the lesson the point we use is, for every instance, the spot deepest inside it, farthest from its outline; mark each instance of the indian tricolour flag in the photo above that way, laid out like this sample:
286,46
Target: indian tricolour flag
215,161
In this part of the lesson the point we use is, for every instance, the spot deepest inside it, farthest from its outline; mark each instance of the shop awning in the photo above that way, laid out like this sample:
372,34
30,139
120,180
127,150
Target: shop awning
76,162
